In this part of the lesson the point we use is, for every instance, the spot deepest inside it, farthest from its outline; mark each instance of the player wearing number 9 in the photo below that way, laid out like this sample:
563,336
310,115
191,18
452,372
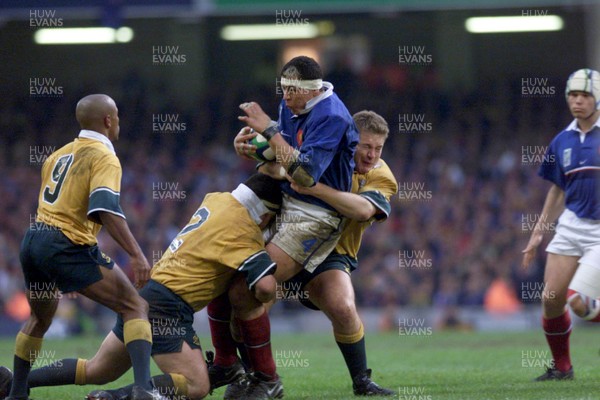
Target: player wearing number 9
222,244
80,194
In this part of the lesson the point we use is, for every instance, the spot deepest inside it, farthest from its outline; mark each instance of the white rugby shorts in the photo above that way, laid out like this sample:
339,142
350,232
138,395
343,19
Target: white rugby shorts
579,237
306,232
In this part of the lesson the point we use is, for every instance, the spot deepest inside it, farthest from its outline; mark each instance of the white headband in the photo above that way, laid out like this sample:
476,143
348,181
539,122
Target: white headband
314,84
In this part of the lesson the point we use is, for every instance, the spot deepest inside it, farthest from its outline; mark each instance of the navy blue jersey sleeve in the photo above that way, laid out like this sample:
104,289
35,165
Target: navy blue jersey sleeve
321,142
551,166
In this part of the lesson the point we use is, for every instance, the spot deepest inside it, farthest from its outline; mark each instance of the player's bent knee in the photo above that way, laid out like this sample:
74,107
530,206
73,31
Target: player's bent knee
142,305
576,305
241,298
343,312
134,304
265,289
196,392
198,386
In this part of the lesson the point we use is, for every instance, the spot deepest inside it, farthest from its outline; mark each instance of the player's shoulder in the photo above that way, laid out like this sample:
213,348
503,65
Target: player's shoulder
381,171
58,153
228,218
568,133
323,114
218,199
96,151
223,203
332,109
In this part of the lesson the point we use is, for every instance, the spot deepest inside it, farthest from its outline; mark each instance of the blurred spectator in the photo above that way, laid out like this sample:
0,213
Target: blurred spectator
460,218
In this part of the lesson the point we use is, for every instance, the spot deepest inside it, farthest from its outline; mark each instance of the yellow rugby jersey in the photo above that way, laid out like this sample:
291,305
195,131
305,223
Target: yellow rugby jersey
220,238
78,180
378,186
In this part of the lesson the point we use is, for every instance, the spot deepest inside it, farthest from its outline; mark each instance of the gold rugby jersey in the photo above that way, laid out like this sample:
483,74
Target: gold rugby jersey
220,238
78,180
378,186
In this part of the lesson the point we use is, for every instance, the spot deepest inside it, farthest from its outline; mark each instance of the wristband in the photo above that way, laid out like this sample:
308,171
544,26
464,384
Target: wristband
271,131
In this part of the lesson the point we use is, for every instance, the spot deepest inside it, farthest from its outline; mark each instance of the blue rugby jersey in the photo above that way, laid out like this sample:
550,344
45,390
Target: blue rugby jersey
326,137
574,166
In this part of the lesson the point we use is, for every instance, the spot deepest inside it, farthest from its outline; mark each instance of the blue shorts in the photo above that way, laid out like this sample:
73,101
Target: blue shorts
51,261
334,260
170,317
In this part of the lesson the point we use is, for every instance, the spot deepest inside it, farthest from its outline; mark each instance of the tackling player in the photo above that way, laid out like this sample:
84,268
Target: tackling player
329,286
80,189
223,237
572,275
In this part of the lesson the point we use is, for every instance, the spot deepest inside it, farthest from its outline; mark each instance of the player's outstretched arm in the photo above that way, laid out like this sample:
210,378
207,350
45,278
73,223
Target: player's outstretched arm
119,230
554,205
348,204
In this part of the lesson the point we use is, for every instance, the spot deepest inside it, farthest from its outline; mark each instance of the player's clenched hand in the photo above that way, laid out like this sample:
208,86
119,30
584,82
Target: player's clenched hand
529,252
255,117
242,148
273,169
141,271
300,189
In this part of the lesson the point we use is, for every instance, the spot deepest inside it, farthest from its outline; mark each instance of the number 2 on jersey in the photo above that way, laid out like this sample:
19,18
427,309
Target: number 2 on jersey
202,214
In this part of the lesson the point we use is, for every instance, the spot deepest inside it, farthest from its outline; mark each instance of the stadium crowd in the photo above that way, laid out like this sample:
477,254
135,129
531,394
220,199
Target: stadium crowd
467,174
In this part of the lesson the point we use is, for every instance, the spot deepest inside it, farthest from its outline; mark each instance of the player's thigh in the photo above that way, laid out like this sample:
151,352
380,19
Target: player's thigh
330,287
286,266
191,364
333,293
109,363
559,272
116,292
41,289
587,277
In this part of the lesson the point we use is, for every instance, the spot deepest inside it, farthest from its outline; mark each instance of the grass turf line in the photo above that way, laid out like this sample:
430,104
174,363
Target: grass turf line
440,366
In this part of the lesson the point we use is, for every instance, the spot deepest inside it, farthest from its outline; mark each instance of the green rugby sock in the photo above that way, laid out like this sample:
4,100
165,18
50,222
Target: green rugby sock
61,372
355,356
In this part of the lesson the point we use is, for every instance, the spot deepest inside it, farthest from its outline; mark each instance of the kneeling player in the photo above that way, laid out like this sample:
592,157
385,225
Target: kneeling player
223,236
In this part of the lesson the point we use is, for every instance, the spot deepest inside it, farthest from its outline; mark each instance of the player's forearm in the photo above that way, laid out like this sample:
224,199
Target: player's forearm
287,156
554,205
272,169
119,230
283,151
348,204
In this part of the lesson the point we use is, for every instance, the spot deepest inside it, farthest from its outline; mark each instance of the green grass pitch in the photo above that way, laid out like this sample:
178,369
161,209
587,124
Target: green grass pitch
438,366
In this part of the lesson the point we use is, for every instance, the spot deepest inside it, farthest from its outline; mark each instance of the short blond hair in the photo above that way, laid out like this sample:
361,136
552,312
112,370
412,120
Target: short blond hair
372,122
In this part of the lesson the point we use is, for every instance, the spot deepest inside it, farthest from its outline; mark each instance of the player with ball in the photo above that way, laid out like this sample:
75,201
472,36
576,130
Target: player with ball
314,140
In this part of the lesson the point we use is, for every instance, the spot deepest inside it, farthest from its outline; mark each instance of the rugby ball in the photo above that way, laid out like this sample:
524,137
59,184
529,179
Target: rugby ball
264,152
